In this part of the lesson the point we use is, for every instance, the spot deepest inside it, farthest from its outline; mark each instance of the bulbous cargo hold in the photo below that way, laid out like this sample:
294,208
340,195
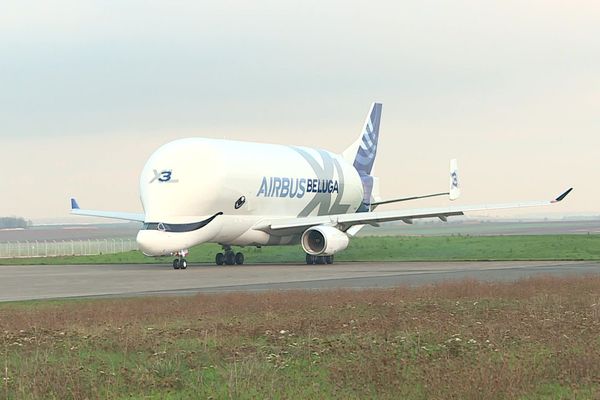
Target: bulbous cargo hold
191,179
235,184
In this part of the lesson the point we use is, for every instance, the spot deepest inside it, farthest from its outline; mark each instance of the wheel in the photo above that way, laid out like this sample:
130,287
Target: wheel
230,258
329,259
311,260
183,263
320,260
175,264
220,259
239,258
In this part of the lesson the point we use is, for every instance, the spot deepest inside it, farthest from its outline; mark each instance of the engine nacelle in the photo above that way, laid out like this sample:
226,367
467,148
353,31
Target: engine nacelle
324,240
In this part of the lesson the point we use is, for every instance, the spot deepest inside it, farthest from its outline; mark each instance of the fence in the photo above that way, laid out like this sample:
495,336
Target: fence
55,248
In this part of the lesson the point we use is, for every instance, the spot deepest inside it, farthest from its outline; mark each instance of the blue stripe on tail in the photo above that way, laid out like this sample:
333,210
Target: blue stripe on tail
365,156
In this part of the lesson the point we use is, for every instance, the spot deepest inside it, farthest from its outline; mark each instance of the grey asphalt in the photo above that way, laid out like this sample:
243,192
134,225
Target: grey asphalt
65,281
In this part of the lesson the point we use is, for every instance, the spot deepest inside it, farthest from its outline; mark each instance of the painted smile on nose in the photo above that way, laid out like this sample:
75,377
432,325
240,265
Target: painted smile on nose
159,238
165,227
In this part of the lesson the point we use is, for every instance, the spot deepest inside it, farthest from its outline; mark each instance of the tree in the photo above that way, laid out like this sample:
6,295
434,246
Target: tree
14,222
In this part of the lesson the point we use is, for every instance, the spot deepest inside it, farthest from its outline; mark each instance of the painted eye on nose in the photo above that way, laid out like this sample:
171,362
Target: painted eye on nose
239,202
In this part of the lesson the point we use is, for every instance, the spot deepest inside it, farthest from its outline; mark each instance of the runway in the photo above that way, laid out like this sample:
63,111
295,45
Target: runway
66,281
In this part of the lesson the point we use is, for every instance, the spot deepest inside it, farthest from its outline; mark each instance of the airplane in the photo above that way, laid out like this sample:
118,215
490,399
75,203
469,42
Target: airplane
234,193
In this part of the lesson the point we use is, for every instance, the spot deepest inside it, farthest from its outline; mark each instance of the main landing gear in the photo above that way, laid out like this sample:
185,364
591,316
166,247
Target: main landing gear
229,257
311,260
180,262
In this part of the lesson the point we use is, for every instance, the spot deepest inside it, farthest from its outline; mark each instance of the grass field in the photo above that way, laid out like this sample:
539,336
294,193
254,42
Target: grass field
390,248
533,339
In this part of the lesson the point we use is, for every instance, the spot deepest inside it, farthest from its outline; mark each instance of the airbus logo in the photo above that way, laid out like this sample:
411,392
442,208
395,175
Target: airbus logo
295,187
164,176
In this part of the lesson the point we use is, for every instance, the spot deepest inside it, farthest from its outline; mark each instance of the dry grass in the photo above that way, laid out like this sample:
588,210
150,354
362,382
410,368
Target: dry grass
536,338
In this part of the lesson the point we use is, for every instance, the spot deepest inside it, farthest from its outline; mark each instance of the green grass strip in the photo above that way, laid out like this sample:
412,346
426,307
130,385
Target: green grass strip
388,248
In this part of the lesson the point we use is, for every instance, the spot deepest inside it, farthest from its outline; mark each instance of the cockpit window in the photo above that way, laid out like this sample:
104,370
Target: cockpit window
164,227
152,226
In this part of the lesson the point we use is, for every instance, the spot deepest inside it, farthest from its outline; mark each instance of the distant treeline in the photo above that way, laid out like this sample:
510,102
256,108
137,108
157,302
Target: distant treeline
14,222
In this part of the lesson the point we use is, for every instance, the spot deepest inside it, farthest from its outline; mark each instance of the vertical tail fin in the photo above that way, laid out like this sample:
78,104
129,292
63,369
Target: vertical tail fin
363,151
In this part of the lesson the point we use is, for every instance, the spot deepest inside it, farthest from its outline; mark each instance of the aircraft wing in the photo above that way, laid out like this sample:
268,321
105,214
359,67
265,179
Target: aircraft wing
75,210
345,221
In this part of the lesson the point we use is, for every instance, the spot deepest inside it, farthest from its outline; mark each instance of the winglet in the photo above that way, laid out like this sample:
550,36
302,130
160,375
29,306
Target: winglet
74,205
562,196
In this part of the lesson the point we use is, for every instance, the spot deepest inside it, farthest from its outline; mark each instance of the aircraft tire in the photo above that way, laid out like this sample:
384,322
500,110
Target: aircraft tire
175,264
230,258
320,260
239,258
310,259
220,259
183,263
329,259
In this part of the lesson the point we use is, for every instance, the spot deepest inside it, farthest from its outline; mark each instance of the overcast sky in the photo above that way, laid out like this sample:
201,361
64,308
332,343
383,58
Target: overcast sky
88,89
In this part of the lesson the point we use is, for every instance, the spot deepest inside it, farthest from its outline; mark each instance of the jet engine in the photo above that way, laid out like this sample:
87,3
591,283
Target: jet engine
324,240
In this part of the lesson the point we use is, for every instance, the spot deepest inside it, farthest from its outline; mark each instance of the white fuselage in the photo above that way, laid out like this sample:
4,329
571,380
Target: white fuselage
191,180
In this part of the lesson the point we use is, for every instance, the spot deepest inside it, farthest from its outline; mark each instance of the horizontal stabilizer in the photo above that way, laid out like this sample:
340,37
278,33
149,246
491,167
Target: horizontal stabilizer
76,210
378,203
454,192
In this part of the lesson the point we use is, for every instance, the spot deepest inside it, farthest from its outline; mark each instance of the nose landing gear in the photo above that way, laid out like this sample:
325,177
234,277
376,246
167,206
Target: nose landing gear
180,262
229,257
